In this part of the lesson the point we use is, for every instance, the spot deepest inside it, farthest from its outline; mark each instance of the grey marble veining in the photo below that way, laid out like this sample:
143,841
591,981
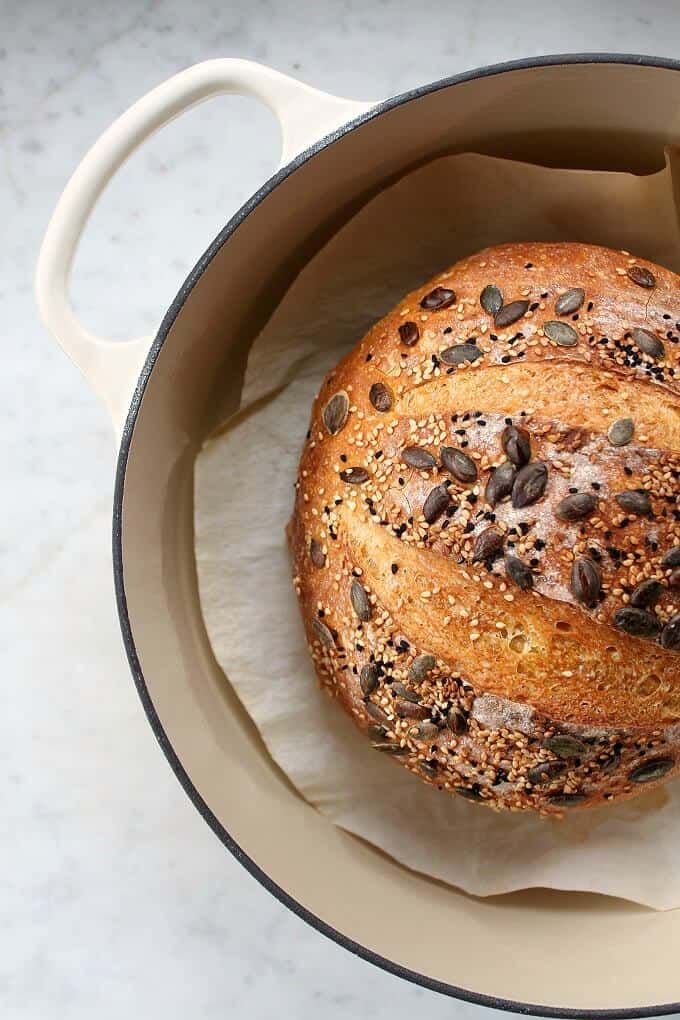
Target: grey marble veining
117,900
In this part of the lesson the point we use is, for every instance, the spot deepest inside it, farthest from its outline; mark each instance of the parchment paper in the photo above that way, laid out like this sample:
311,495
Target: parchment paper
244,494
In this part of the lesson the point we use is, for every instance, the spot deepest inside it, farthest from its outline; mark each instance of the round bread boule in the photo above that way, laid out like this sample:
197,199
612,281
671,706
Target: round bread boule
486,533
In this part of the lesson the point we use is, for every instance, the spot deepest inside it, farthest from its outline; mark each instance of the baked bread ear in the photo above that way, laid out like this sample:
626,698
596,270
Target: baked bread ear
486,533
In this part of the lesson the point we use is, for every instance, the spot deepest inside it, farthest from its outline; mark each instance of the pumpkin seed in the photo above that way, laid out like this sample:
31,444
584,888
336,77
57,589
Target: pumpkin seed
408,710
529,485
460,353
380,396
570,301
649,771
468,793
487,545
500,483
420,667
634,501
674,578
360,601
613,760
427,730
354,475
586,581
457,720
428,770
671,558
637,622
402,691
517,445
565,746
670,635
417,457
376,713
519,572
648,343
510,313
641,276
491,299
440,297
316,554
391,747
567,799
322,632
368,679
436,503
409,334
561,333
335,413
462,467
545,772
376,732
621,432
576,506
646,594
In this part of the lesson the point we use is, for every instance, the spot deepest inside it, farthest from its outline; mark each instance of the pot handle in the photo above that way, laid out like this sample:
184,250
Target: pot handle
304,114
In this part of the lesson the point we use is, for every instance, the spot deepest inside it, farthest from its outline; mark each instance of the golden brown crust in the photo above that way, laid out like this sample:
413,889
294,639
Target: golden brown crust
531,687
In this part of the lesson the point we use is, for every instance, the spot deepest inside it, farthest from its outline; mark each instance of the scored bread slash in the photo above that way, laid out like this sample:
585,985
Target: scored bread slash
487,529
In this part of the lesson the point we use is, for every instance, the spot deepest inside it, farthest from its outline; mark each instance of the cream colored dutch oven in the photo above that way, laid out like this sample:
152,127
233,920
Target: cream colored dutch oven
537,952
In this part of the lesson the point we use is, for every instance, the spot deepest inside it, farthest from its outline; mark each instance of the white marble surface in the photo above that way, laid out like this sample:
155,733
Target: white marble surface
116,898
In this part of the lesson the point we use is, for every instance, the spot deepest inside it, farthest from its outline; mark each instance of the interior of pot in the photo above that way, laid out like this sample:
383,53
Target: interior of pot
567,951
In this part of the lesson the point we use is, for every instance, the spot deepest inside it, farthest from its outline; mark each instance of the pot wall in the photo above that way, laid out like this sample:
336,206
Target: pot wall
610,955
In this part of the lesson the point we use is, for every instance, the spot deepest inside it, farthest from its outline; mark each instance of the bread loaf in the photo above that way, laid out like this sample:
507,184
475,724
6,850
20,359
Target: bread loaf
486,532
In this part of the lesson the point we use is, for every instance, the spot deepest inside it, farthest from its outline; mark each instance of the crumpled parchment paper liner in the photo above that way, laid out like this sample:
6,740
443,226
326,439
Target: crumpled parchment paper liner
244,494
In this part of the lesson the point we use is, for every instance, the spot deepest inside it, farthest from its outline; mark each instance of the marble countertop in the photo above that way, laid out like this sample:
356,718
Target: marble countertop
117,899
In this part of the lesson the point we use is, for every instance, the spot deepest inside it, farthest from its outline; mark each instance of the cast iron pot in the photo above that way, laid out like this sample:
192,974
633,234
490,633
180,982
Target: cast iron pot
539,952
